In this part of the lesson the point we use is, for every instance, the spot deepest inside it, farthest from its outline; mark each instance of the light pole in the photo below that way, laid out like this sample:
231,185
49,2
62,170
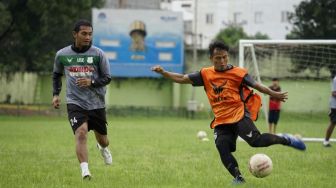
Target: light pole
192,104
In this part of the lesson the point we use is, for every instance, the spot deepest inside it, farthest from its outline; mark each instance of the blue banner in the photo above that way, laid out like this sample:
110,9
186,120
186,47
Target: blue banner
136,40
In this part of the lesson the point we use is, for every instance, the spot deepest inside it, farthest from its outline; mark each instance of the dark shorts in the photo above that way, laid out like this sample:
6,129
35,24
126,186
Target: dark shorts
273,116
332,115
96,118
226,135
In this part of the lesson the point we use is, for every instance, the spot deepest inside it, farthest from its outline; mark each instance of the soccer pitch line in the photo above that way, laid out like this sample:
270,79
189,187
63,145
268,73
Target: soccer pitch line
306,139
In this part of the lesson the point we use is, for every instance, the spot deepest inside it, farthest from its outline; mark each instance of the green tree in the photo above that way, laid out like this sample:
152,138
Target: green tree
314,19
232,34
31,31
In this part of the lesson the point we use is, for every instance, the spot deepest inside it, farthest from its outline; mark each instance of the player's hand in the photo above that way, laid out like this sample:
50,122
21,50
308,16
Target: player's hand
281,96
56,101
83,82
158,69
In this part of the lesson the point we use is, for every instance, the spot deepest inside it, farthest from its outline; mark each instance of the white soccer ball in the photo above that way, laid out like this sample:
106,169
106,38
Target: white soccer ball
201,135
260,165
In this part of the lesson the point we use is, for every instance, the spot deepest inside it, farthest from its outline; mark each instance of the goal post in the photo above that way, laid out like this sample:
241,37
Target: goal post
302,63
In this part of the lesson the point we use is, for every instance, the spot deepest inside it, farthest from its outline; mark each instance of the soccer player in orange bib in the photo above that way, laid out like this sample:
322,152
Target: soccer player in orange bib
234,106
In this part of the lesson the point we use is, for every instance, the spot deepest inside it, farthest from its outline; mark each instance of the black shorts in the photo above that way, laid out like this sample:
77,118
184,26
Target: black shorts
227,134
273,116
96,118
332,115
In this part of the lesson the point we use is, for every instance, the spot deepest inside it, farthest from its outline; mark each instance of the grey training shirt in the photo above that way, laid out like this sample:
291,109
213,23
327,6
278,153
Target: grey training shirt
332,98
89,64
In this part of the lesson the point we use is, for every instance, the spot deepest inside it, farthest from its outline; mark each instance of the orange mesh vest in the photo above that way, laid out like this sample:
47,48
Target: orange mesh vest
223,91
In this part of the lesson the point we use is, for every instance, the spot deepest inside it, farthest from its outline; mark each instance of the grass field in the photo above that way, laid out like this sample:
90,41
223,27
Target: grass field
156,152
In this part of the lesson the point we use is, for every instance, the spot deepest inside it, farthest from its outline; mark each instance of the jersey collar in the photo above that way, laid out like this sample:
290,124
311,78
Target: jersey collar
74,48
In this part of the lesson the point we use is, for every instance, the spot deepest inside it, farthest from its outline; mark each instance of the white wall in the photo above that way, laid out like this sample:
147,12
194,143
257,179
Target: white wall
223,11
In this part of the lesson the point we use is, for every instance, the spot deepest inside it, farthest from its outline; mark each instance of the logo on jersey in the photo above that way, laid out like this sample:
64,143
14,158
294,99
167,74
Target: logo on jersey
69,60
89,60
80,60
218,90
79,71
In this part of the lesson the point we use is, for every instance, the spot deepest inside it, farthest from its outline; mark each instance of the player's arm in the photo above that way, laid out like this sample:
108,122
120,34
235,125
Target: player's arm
103,79
333,94
57,83
105,74
176,77
281,96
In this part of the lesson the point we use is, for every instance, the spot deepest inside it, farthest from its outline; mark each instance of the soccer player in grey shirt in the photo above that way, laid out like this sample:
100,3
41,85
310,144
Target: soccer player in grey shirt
87,73
332,114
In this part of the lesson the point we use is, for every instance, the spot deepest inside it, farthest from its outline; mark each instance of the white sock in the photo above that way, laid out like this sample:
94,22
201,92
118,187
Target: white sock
84,166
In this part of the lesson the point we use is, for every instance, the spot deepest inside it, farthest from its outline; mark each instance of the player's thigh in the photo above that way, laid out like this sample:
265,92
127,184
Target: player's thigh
226,137
247,130
271,116
332,115
276,116
97,121
77,116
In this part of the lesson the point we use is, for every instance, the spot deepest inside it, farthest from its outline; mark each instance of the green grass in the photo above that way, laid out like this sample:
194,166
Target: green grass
158,152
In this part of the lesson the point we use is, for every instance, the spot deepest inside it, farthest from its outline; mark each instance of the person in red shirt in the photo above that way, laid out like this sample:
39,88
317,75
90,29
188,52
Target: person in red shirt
274,107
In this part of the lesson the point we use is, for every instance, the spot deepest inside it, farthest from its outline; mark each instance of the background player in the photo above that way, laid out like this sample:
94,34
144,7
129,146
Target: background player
222,83
87,72
274,107
332,114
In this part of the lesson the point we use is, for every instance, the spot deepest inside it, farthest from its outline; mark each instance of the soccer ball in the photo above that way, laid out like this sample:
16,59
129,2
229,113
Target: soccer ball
201,135
260,165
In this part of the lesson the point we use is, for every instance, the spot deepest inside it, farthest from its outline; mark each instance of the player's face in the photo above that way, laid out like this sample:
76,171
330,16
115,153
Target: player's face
83,37
275,83
220,59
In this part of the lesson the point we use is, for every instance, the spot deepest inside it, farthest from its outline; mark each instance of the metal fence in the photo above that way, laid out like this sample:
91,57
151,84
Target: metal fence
116,111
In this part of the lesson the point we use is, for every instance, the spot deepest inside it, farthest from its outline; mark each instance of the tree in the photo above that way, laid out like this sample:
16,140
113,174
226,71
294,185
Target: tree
232,34
314,19
31,31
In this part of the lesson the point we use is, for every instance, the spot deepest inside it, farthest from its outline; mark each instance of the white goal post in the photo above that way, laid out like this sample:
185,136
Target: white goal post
307,60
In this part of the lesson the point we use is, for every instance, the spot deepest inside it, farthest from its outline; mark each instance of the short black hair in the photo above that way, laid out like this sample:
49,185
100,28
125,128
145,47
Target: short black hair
217,45
80,23
275,79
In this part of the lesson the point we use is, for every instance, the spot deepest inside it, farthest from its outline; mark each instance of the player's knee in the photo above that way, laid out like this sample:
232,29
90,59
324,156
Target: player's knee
104,142
224,146
81,135
255,142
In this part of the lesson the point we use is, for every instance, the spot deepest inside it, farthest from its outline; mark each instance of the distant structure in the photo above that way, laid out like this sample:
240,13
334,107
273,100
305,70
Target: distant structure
265,16
133,4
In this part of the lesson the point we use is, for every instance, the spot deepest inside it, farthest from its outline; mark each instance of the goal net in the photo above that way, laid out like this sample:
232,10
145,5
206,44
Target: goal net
303,67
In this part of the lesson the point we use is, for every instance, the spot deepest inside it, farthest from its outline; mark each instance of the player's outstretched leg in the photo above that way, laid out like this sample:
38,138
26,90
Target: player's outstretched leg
249,132
106,154
295,142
